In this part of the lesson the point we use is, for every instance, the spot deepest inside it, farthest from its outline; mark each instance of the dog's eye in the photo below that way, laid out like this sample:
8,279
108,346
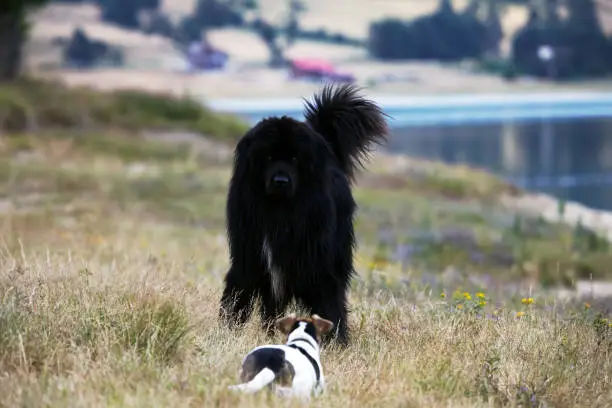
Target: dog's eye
269,158
294,159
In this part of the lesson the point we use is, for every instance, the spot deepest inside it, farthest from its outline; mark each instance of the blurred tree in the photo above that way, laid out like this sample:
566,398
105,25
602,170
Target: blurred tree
280,35
443,35
13,32
83,52
160,24
79,49
211,14
124,13
489,12
551,12
578,44
592,50
583,13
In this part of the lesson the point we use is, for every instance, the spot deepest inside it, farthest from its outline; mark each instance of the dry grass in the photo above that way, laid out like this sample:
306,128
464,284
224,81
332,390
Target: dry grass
110,275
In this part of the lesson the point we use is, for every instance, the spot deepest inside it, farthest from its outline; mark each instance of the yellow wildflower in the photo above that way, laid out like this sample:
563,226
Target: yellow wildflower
480,295
482,303
467,296
442,295
587,305
459,306
520,314
527,301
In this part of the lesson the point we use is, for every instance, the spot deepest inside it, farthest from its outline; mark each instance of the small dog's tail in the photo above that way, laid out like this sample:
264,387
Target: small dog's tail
350,123
263,378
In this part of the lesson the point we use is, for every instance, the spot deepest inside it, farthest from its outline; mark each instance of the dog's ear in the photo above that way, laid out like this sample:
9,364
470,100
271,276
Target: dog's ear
285,324
322,325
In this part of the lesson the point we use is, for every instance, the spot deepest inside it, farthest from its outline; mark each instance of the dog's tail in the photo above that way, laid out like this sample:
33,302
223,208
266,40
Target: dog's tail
263,378
351,124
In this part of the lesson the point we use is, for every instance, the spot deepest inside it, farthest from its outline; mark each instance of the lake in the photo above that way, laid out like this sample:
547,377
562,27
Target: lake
568,158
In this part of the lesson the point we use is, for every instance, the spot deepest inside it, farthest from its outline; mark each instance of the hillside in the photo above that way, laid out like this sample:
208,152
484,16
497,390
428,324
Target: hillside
153,64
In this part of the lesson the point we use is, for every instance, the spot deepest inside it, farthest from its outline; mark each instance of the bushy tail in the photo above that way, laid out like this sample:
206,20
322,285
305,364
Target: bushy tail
351,124
263,378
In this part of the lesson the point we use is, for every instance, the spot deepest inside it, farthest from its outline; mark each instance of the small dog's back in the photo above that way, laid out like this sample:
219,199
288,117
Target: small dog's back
267,358
290,369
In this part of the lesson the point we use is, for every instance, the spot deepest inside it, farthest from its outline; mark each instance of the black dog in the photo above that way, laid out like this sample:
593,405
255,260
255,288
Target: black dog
290,208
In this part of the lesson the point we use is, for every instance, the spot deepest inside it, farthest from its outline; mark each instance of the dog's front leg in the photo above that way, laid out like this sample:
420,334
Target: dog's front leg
329,302
237,299
270,309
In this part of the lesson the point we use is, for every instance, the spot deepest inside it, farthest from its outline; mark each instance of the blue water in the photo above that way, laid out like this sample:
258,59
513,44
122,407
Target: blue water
447,109
569,158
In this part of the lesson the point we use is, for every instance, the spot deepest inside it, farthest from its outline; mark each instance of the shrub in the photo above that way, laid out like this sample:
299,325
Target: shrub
207,14
213,13
160,24
581,49
32,103
444,35
578,53
125,13
188,30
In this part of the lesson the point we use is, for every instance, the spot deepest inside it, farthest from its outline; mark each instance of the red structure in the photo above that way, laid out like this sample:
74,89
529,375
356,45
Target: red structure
318,69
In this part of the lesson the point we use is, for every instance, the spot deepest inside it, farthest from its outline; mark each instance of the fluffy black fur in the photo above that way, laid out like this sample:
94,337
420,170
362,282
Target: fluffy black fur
290,208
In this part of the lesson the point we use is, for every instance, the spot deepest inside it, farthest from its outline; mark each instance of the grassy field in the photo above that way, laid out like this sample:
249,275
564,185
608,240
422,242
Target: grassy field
113,253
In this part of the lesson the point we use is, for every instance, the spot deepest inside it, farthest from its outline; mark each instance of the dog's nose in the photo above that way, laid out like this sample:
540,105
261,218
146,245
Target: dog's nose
280,180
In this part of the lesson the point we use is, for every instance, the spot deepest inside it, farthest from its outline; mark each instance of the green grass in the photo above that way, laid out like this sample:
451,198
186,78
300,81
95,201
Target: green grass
33,104
112,261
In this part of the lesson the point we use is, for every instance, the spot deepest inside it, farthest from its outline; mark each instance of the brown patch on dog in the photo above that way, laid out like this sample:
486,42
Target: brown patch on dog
286,374
322,325
285,324
249,370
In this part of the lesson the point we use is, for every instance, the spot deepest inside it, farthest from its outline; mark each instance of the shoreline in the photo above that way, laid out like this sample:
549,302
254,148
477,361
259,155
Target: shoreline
528,202
443,109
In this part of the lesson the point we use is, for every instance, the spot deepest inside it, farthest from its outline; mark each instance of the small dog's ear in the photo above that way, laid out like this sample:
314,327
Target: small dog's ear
322,325
285,324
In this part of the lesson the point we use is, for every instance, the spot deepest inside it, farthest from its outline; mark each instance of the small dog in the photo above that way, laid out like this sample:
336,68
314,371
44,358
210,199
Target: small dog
293,369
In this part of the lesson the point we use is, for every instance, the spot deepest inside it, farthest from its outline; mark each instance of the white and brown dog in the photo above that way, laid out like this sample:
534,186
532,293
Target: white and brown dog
292,369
